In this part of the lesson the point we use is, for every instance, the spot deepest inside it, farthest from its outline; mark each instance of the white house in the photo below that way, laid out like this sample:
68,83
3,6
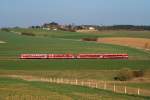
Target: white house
91,28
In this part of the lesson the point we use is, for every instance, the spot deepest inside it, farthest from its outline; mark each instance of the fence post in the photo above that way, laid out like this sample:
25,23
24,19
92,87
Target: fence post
125,90
138,91
50,80
62,81
58,80
67,81
105,85
53,80
89,84
82,83
47,80
76,82
40,78
96,85
114,88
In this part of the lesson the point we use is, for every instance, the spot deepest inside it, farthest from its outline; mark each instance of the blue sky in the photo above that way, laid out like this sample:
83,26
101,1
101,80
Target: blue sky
106,12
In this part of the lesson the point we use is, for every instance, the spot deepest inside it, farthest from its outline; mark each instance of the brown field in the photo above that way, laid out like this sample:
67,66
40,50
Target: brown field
131,42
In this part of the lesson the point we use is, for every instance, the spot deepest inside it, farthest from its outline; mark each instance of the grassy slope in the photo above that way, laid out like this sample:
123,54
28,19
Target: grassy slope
23,44
13,87
56,43
73,64
17,44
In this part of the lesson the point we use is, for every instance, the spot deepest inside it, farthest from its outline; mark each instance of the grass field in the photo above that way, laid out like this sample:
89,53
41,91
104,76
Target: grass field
69,42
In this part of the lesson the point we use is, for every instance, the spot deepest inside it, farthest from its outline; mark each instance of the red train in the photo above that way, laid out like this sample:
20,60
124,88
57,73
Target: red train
72,56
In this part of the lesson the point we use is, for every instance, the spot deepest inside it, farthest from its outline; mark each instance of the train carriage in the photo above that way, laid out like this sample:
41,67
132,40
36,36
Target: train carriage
102,56
115,56
33,56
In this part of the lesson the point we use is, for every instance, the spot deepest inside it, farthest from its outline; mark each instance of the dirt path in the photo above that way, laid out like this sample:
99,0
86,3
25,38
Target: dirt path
131,42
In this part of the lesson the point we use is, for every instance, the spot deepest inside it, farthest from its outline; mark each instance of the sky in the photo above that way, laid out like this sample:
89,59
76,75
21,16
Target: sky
25,13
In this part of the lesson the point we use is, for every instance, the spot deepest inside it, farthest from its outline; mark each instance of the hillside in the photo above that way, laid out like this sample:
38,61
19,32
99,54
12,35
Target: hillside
70,42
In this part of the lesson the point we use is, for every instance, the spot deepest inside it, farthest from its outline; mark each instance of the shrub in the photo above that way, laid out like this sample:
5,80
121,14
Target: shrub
89,39
5,29
127,74
139,73
28,34
124,75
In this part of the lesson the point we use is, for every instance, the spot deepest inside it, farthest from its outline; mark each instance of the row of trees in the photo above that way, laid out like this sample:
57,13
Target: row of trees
56,26
123,27
73,27
114,27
